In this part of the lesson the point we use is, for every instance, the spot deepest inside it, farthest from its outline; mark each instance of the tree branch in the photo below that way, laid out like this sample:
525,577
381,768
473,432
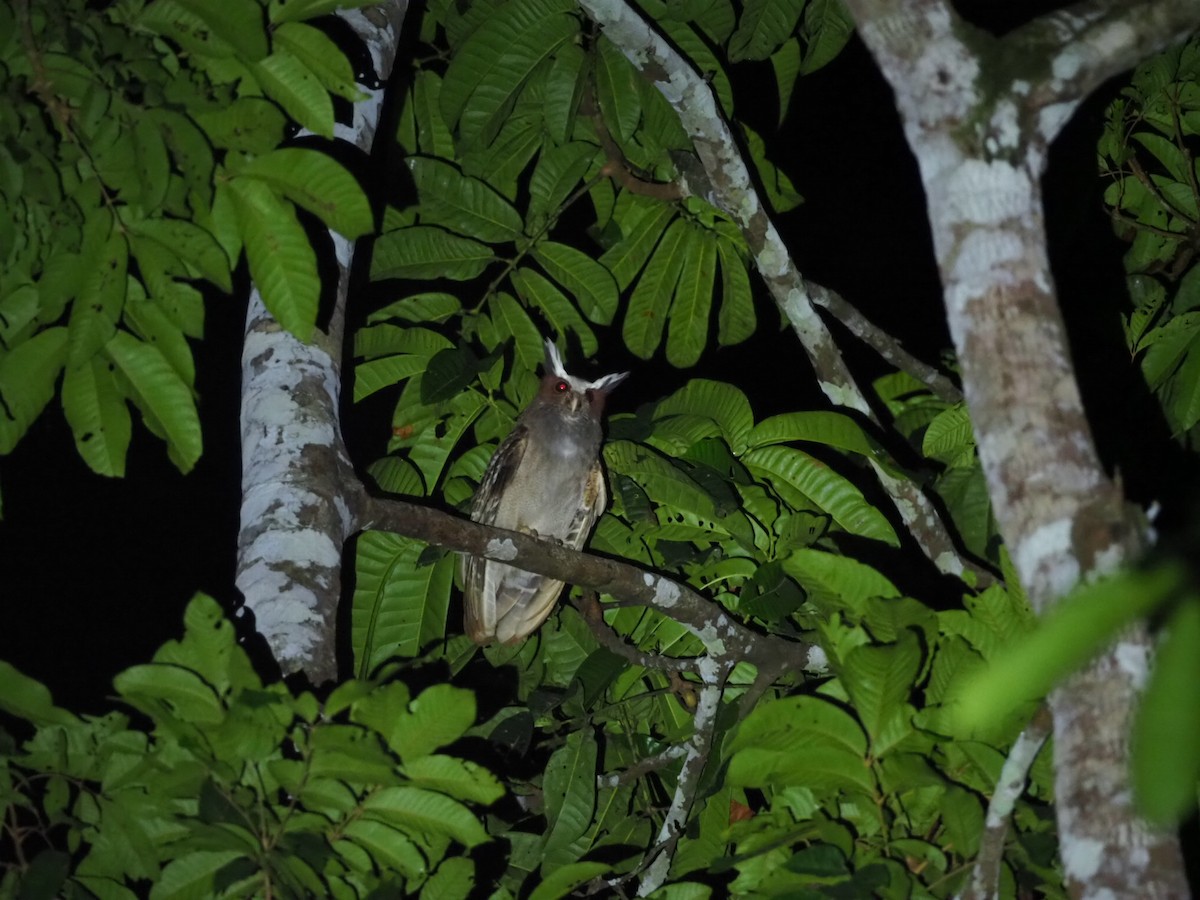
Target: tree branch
985,877
722,636
979,113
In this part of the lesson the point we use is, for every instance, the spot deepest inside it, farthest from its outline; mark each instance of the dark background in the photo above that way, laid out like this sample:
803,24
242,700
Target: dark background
97,571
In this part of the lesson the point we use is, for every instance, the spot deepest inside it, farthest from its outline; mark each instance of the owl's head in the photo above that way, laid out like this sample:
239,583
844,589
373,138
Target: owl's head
574,395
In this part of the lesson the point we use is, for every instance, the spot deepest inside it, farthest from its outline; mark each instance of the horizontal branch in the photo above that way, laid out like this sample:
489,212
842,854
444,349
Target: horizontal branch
723,637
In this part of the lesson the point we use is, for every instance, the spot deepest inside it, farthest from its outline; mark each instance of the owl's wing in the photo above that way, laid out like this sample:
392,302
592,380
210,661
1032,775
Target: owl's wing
478,576
595,498
523,599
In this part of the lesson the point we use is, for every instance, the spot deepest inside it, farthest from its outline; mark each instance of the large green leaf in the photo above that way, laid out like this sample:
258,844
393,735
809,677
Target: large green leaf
617,90
319,183
798,476
27,376
804,740
321,56
537,290
1166,736
722,403
642,222
165,401
399,605
569,787
736,318
293,85
462,204
880,680
687,330
589,282
282,261
651,299
763,26
98,416
829,576
422,251
1067,637
419,813
486,73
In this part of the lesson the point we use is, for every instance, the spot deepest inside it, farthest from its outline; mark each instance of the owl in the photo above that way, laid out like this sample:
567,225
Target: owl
546,480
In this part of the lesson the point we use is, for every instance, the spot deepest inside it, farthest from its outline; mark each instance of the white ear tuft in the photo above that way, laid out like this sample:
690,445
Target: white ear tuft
608,382
553,361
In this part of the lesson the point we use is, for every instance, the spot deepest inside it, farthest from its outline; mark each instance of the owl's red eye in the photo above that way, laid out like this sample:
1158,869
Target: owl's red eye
562,387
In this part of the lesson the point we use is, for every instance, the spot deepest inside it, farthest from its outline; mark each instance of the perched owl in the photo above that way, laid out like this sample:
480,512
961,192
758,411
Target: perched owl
545,479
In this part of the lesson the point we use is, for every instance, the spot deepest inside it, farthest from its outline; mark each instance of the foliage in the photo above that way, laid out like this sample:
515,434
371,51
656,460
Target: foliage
221,785
542,173
139,157
515,118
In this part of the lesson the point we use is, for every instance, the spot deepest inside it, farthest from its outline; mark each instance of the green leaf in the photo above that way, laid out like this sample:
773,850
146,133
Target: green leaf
419,812
97,309
591,284
249,124
831,429
186,694
320,184
98,416
722,403
282,262
617,90
535,289
1166,735
422,251
826,29
785,63
1080,626
561,882
642,222
433,306
511,320
763,26
294,86
459,778
797,476
433,137
298,10
453,880
831,576
563,90
736,318
489,69
192,875
165,401
27,376
239,24
651,299
398,605
387,846
950,437
187,242
28,699
321,56
569,786
800,740
880,680
459,203
687,330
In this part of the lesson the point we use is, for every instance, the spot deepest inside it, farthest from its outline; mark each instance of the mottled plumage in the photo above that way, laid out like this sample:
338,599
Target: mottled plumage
544,479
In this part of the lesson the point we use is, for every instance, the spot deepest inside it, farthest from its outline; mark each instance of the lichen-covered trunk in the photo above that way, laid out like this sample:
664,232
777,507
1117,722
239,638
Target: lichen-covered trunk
1062,518
979,115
